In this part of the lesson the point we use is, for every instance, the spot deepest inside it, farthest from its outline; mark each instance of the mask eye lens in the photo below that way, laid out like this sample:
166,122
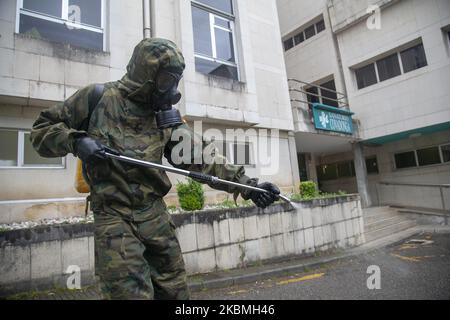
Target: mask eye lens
165,81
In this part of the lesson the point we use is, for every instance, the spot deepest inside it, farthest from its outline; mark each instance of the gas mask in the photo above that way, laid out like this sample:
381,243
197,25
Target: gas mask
166,95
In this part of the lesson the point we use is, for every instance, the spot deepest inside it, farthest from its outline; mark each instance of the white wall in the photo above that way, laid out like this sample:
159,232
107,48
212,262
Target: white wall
315,60
417,99
36,73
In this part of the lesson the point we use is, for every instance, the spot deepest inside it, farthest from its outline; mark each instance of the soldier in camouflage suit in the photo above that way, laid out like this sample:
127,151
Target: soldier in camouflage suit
137,254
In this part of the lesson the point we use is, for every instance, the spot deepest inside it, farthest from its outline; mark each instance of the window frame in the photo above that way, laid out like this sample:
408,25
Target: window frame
319,94
64,19
21,154
302,30
375,61
416,157
231,18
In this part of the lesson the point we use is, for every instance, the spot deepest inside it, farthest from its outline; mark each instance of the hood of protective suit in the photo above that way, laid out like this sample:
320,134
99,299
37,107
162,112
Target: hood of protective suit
149,57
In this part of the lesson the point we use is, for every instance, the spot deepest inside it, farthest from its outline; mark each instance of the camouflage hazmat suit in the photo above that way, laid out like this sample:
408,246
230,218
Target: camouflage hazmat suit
137,254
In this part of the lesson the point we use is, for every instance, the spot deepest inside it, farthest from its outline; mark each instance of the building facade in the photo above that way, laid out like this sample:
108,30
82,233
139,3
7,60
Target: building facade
386,65
235,78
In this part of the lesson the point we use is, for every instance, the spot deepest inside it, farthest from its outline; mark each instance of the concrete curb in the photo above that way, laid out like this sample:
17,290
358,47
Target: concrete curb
299,267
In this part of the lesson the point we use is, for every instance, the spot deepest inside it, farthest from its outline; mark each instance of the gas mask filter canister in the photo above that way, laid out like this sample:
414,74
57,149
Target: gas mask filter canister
166,96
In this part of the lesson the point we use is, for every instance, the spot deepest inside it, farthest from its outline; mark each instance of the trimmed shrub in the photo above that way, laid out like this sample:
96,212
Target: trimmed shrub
308,190
191,195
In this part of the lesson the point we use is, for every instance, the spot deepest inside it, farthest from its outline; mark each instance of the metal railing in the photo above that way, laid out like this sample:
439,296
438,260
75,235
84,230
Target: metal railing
300,87
425,197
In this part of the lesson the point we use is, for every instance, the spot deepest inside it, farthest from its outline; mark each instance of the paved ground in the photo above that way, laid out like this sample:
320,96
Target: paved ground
408,270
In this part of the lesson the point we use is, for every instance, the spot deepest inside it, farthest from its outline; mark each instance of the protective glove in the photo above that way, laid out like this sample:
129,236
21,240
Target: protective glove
89,150
264,199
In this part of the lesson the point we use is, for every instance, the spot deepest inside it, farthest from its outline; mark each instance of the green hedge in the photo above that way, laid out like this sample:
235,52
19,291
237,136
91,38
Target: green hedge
308,190
191,195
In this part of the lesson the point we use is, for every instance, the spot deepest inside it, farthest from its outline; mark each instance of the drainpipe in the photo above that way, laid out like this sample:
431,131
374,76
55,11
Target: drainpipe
147,16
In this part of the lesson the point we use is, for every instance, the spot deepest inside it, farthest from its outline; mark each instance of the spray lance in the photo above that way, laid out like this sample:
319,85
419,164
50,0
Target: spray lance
112,154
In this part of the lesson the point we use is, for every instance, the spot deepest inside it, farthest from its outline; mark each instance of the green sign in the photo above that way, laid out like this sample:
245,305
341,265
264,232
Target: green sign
332,119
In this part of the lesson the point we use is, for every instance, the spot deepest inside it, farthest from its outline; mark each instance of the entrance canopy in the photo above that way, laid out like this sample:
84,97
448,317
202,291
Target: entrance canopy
309,142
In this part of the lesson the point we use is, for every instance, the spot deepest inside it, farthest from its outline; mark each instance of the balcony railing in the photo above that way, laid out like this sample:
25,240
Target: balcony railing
299,95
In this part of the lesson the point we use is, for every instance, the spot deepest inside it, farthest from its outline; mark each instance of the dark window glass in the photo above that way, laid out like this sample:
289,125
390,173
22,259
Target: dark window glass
202,34
224,45
446,153
222,5
90,11
310,32
327,172
288,44
372,165
242,154
320,26
388,67
345,170
312,96
428,156
44,29
302,164
405,160
299,38
331,95
49,7
217,69
366,76
32,158
413,58
8,148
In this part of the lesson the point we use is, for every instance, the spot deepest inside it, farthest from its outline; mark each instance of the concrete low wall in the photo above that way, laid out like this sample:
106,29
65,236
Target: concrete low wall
210,240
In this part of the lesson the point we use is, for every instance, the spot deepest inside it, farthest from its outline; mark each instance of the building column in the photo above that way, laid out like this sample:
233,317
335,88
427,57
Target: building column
294,160
361,174
312,171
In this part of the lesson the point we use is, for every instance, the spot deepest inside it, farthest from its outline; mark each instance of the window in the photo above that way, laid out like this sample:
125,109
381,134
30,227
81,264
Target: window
366,76
238,153
344,169
309,31
405,160
16,151
428,156
288,44
213,26
332,95
423,157
322,95
242,154
299,38
445,153
320,26
76,22
388,67
413,58
372,165
313,95
327,172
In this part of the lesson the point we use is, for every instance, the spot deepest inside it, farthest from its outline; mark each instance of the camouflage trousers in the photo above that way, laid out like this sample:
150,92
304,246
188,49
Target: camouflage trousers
139,259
